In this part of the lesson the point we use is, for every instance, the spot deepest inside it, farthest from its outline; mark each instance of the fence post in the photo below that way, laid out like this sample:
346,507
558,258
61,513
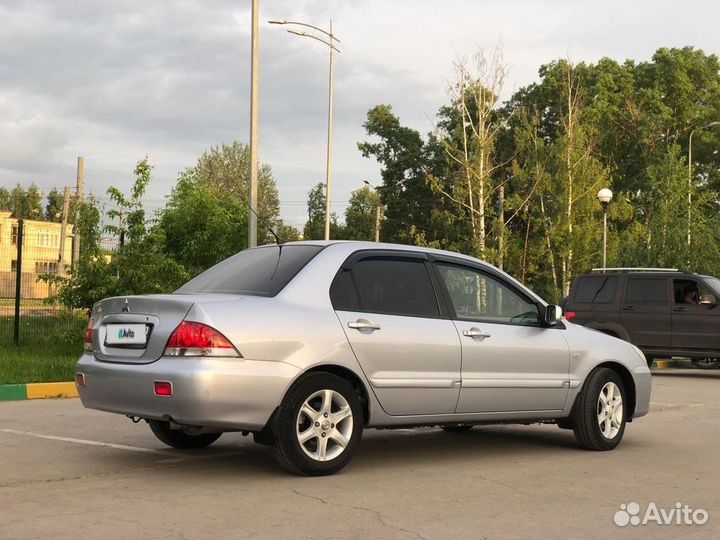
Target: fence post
18,281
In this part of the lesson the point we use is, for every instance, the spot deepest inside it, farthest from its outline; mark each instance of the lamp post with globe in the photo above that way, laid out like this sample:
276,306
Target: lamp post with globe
604,197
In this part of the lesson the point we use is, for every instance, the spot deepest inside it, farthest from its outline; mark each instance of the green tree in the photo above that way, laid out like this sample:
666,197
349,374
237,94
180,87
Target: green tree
287,233
315,226
5,205
54,205
138,266
225,169
17,202
201,228
32,205
360,214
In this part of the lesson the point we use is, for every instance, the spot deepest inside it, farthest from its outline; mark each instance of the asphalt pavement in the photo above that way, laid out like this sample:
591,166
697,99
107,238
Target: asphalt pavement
66,472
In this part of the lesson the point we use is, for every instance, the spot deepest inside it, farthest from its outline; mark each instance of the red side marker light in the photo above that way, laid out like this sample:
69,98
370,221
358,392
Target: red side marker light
570,315
163,388
80,380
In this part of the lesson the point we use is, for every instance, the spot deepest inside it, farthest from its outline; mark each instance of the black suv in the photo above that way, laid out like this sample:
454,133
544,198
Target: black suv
664,312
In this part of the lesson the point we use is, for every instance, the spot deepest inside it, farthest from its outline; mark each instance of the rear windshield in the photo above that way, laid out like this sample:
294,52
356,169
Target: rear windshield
262,271
596,289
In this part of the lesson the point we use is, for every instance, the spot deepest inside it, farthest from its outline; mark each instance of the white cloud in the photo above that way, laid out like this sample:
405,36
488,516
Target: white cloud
115,80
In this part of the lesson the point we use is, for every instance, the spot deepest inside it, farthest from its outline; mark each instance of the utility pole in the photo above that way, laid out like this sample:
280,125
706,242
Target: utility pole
328,165
63,229
254,99
79,186
121,227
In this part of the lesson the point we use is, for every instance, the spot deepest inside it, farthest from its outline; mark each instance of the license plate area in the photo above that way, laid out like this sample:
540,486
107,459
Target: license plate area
127,335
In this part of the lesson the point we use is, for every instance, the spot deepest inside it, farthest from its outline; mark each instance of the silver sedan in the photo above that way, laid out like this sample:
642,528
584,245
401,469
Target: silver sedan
306,344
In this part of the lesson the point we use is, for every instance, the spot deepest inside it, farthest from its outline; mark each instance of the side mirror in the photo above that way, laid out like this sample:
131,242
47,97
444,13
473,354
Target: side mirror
708,299
552,315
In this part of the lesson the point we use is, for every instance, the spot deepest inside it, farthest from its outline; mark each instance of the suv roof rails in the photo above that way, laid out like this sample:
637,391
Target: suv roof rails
635,270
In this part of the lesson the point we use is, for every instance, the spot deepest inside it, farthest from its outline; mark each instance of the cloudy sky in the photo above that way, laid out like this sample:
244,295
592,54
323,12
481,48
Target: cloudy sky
115,80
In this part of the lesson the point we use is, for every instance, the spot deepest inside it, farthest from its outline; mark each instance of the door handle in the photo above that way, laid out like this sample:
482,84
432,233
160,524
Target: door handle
680,308
475,333
363,325
628,308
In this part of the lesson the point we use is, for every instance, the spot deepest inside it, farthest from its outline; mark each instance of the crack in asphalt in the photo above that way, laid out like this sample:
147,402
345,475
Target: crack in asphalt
377,514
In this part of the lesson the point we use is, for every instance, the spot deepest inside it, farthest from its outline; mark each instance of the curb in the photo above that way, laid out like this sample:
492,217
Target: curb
18,392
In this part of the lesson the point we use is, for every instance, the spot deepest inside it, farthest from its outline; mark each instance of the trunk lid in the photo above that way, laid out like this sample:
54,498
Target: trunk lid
119,317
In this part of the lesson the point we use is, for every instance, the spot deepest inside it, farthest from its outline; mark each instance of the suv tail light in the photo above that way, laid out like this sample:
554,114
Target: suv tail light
198,339
570,315
89,335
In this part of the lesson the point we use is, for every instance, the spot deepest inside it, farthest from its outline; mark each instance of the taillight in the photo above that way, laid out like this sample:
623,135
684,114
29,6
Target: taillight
89,335
197,339
570,315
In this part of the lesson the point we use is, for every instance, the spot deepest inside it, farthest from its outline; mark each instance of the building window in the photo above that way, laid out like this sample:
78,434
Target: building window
13,265
48,239
46,267
13,235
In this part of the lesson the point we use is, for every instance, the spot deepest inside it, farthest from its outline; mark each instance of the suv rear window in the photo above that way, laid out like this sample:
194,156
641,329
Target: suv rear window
262,271
596,289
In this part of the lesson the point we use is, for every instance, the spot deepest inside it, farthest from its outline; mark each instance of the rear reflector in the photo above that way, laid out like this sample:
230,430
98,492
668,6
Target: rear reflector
163,388
198,339
570,315
89,335
80,380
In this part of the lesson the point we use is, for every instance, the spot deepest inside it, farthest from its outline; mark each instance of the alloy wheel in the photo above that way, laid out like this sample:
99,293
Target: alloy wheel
610,410
324,425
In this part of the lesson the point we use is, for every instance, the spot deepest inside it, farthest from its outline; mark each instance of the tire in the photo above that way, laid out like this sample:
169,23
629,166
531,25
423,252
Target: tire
459,428
178,438
706,363
326,410
591,430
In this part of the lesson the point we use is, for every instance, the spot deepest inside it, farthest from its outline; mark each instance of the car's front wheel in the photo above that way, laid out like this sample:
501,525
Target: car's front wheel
181,438
599,417
318,426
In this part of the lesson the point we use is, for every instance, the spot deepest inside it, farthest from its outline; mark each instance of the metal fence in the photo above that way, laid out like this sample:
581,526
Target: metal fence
29,252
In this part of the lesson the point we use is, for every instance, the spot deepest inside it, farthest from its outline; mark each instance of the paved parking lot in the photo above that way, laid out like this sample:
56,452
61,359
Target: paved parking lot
68,472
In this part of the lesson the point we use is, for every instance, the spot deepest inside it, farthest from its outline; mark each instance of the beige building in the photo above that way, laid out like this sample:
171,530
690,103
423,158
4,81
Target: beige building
41,255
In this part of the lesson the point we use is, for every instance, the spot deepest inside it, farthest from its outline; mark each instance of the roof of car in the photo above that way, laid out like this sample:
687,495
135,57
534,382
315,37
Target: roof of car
364,244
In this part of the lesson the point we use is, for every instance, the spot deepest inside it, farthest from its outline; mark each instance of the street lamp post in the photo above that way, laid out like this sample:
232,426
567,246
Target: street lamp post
378,210
254,103
604,197
689,220
330,42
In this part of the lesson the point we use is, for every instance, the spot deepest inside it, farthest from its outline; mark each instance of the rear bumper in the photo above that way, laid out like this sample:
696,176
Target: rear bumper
231,393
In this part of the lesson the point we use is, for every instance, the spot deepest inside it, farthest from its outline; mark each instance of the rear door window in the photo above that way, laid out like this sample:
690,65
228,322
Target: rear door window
646,291
343,294
396,286
596,289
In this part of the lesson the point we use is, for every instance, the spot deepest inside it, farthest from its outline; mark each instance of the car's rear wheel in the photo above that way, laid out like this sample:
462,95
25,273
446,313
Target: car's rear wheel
181,438
458,428
600,414
318,426
706,363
